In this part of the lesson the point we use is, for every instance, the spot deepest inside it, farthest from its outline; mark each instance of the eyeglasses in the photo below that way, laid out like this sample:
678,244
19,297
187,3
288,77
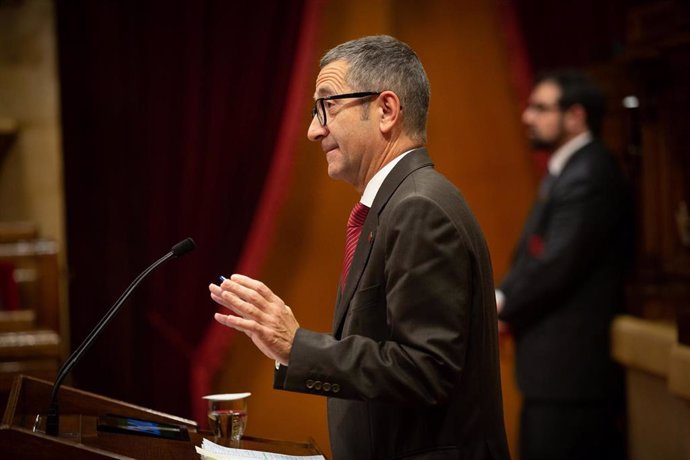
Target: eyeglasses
319,109
540,107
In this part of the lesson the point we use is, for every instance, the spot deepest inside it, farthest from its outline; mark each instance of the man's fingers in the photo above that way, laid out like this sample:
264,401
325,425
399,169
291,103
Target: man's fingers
257,333
246,308
239,299
259,301
217,296
254,285
246,294
236,322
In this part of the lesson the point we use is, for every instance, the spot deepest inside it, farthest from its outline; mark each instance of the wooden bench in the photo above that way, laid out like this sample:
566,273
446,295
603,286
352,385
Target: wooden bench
29,331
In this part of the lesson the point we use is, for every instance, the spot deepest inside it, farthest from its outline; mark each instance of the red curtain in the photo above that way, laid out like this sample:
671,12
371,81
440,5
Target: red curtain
208,356
172,114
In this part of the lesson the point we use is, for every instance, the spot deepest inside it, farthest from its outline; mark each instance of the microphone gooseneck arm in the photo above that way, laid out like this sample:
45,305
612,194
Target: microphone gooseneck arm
53,419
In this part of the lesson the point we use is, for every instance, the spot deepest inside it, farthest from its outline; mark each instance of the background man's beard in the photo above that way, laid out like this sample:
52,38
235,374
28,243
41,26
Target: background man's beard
552,144
541,144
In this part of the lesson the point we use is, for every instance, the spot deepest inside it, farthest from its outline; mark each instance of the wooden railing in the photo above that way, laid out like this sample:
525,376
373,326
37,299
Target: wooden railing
30,322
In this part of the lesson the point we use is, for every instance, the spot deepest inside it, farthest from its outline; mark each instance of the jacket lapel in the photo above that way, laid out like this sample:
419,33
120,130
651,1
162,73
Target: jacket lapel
532,242
414,160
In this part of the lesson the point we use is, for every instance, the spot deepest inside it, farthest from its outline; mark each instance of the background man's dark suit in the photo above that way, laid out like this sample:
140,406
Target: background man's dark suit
564,287
412,367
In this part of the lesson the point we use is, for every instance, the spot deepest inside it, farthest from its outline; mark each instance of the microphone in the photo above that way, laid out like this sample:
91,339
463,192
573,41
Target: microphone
53,420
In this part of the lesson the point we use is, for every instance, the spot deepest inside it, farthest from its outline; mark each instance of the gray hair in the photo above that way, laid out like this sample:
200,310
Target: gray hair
381,63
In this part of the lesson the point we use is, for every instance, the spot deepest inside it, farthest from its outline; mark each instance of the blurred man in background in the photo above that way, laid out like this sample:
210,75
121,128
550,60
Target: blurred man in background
566,280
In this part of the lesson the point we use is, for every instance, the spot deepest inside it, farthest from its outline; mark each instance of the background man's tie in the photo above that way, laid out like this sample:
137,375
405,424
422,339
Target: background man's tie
354,229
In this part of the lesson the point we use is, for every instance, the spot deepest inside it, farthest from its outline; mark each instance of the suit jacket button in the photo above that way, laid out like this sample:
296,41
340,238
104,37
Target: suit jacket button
335,388
310,384
326,386
317,385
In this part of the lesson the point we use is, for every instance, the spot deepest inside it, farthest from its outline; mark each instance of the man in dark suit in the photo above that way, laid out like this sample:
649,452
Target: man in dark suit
566,280
411,368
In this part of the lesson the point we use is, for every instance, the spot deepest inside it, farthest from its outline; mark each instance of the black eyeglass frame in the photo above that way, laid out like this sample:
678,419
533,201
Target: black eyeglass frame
320,103
540,107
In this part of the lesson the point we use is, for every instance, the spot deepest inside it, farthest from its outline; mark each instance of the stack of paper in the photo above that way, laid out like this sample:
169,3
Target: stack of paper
212,451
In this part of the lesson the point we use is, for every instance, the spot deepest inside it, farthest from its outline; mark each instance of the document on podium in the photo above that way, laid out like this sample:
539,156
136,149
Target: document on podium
212,451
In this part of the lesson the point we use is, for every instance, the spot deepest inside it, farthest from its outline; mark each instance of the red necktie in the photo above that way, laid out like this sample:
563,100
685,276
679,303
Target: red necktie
354,229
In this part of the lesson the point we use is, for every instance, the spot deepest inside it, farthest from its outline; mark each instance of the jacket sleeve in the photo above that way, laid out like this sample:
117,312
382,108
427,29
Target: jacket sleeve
408,335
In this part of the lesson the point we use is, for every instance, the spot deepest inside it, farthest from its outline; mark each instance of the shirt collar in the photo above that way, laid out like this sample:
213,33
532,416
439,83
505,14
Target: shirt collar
375,182
561,156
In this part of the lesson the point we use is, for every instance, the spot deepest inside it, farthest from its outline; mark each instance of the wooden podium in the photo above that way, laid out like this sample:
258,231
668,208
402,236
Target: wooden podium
30,396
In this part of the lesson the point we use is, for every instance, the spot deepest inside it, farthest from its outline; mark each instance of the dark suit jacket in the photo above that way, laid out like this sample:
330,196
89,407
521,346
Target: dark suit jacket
411,370
566,281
